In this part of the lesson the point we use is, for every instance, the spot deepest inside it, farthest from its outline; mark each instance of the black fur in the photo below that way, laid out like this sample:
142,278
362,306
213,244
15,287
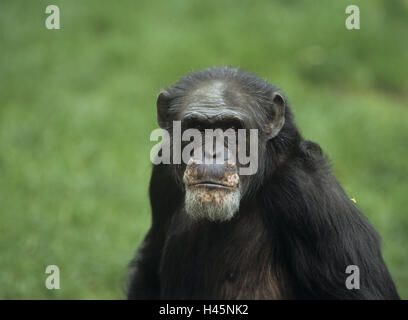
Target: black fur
294,235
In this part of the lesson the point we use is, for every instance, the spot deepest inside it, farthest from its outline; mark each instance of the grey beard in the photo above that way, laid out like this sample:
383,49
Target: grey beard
215,205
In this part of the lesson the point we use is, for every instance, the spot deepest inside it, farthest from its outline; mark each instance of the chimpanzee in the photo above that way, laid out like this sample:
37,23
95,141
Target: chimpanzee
286,231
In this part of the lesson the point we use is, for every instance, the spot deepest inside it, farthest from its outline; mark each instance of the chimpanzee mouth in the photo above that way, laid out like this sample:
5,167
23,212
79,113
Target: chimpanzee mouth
211,185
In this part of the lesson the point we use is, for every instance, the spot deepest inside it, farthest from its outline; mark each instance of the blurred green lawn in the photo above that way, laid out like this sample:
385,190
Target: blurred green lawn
77,106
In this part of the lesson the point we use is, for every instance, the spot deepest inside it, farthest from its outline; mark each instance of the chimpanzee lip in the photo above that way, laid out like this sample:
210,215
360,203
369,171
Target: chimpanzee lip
211,184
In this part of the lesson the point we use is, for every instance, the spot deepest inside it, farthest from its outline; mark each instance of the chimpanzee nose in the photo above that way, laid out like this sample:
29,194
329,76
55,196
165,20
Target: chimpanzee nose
224,174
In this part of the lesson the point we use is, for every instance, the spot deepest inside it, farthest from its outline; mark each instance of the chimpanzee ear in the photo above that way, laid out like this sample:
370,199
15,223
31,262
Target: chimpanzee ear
163,102
278,118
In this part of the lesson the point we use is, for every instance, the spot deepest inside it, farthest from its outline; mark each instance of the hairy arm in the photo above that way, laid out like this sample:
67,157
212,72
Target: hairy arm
320,232
164,198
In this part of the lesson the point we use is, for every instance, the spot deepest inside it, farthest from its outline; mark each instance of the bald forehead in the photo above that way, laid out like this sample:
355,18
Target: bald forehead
214,97
209,94
217,100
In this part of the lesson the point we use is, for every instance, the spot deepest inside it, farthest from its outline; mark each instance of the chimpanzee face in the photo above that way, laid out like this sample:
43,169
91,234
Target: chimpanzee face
230,128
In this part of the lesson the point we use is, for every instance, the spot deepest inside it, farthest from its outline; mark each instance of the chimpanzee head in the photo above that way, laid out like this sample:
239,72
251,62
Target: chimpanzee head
248,111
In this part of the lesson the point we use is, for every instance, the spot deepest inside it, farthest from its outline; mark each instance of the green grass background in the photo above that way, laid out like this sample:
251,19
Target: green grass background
77,106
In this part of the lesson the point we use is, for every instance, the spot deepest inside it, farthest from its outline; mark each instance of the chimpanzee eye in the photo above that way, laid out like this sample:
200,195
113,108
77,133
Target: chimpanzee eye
194,124
234,125
199,126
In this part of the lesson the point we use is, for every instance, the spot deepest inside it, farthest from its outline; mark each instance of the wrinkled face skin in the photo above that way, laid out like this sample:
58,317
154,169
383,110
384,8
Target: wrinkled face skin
216,190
